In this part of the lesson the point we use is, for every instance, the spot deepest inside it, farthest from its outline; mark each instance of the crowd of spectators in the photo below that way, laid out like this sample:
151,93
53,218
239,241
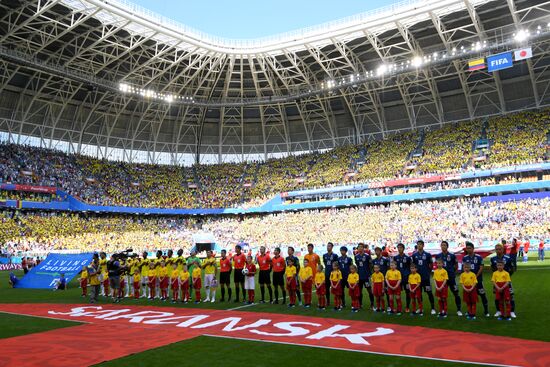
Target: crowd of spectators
448,148
452,220
514,139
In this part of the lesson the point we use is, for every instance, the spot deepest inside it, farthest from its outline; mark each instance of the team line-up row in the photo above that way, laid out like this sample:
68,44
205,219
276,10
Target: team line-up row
383,277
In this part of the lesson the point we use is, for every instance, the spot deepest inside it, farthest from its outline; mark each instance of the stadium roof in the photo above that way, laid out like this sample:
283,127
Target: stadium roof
112,79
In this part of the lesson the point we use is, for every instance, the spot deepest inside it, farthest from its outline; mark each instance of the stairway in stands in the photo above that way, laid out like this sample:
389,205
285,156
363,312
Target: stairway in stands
481,147
412,160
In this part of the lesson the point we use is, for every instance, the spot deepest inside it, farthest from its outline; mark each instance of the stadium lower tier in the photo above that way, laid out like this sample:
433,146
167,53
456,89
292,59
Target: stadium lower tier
455,220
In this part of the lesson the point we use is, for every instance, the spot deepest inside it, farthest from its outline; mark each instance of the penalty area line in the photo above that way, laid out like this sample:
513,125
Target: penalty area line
362,351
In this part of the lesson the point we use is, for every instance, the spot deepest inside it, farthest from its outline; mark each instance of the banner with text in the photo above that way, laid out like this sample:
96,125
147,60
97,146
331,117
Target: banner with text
499,62
48,271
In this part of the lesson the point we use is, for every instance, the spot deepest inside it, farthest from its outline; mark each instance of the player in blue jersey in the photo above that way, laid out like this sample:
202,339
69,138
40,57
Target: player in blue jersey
363,262
329,258
509,267
476,266
344,262
424,265
451,265
403,262
382,261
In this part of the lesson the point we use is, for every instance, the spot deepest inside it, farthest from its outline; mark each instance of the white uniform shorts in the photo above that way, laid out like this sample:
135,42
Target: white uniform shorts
208,280
249,283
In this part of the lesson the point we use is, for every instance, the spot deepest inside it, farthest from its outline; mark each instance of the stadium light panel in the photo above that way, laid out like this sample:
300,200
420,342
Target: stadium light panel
522,35
382,69
417,61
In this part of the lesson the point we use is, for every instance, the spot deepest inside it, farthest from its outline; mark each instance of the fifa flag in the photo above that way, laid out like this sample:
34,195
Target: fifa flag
476,64
522,54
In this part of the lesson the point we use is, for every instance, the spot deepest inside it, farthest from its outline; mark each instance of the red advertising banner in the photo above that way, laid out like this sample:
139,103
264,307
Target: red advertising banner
43,189
414,181
114,331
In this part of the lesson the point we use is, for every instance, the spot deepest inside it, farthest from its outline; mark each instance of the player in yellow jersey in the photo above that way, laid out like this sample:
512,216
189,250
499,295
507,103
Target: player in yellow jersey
209,265
441,277
128,277
468,280
144,266
169,260
180,260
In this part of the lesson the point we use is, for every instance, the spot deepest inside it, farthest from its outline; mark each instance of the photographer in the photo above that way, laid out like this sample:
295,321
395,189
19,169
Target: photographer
115,269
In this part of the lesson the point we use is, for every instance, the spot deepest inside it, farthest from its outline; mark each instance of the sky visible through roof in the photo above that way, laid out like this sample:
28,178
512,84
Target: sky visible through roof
249,19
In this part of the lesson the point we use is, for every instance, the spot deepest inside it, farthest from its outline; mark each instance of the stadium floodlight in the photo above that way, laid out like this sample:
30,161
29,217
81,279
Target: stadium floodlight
124,88
522,35
169,98
382,69
416,61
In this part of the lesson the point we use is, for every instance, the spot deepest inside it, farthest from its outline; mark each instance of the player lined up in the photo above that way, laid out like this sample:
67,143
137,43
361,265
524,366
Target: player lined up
384,279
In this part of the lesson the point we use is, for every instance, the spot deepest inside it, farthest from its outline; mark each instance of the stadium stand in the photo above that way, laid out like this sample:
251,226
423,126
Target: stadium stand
514,139
457,220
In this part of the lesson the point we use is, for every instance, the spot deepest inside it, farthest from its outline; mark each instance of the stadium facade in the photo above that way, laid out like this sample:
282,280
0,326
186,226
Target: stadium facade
109,79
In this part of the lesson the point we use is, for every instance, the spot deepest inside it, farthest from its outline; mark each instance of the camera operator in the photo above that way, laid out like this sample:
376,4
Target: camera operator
115,270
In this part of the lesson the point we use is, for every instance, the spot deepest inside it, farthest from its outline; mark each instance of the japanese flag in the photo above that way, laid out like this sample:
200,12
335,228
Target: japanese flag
524,53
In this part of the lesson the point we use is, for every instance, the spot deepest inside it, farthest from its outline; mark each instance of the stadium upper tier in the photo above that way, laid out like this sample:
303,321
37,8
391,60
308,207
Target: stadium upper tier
109,79
515,139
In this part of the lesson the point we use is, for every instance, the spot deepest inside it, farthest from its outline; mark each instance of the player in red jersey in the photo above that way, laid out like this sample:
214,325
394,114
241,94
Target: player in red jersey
264,262
279,266
225,275
239,262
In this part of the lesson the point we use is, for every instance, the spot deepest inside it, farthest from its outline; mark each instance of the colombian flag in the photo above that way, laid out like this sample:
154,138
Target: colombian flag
477,64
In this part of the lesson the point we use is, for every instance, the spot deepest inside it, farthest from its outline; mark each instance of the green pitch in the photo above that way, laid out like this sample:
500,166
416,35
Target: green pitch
531,286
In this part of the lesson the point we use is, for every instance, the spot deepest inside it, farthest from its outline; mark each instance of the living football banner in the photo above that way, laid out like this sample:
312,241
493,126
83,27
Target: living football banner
48,271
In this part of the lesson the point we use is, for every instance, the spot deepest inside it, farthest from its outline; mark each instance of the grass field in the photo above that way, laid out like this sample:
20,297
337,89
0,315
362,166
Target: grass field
531,285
